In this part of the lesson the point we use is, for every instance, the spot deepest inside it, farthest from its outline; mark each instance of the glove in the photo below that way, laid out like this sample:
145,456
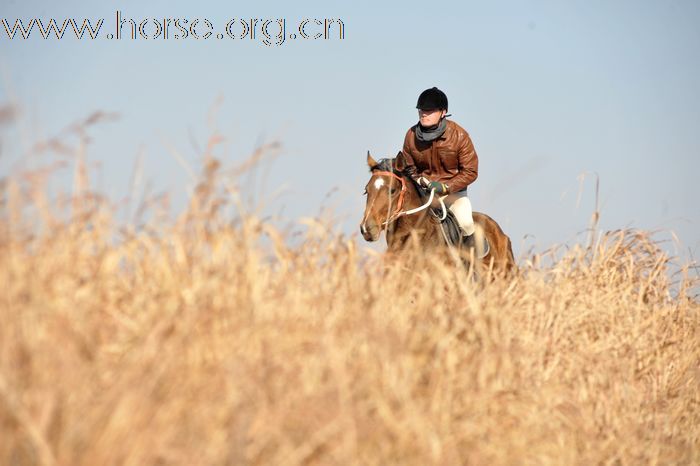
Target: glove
440,188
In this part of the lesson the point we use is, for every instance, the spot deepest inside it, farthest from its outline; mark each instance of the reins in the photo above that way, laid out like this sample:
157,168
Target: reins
398,213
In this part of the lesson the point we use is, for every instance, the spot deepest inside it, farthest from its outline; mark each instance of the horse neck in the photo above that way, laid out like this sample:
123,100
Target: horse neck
412,200
401,229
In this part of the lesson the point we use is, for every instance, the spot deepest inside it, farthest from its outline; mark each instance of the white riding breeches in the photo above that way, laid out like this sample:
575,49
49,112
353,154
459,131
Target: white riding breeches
461,207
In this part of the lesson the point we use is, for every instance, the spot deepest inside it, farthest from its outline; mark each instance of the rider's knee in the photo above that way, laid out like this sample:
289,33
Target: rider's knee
462,207
462,210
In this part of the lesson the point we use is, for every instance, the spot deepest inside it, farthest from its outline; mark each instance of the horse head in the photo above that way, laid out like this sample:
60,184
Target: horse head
385,191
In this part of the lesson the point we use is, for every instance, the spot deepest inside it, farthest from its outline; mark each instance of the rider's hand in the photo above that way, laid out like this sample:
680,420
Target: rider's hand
423,182
440,188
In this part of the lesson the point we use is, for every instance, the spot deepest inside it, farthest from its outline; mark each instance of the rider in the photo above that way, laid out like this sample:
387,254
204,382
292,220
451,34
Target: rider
439,155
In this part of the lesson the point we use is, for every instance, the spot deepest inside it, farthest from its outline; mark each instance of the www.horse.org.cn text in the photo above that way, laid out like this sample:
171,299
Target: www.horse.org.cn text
267,31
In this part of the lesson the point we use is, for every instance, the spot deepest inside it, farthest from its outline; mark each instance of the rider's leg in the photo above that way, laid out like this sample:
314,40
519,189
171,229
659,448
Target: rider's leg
461,207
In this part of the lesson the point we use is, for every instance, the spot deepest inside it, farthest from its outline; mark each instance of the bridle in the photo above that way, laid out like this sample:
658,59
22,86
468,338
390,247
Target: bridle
399,205
402,195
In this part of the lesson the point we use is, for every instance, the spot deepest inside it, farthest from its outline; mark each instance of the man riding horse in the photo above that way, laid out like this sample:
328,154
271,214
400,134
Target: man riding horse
440,155
438,158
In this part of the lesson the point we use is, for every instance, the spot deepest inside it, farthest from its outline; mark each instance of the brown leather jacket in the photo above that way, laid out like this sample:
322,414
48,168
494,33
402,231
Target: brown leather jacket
450,159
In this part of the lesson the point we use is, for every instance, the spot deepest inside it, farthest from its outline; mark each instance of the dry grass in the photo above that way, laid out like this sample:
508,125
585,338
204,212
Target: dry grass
209,340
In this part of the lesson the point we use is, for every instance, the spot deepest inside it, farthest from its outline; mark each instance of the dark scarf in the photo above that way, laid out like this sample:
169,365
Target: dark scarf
430,133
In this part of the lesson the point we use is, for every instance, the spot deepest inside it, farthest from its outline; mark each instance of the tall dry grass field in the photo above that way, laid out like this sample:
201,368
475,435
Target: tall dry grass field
209,340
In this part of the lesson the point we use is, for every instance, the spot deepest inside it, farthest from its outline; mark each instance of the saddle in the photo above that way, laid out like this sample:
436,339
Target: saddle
451,230
452,233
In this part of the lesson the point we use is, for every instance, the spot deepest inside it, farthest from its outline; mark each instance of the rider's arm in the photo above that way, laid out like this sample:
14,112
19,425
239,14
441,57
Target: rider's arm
468,164
410,168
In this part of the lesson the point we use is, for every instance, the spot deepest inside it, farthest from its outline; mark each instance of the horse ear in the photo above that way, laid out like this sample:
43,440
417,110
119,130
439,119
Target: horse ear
400,162
370,161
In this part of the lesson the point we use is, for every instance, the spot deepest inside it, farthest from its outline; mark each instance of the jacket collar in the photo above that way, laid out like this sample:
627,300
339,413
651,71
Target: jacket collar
433,133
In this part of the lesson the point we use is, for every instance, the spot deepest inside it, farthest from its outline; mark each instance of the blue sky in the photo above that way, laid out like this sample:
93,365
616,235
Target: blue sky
548,91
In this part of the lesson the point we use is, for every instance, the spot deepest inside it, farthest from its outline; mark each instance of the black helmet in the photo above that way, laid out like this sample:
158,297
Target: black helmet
431,99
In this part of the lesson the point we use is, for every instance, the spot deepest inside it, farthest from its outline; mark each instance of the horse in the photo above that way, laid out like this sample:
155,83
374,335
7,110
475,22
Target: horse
395,204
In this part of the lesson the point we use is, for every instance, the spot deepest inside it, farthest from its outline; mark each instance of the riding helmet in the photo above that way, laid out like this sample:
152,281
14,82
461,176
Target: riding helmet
431,99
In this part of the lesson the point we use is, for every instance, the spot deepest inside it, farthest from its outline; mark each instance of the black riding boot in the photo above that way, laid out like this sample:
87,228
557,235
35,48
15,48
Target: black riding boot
468,241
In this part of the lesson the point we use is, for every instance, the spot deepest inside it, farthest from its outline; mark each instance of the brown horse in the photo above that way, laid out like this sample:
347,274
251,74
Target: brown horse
394,204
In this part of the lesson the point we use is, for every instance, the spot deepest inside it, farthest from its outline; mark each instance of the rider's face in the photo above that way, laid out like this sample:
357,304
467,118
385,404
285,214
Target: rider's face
430,117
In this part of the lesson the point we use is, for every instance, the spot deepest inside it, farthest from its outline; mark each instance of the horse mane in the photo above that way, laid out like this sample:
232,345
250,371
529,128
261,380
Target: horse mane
389,165
385,165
